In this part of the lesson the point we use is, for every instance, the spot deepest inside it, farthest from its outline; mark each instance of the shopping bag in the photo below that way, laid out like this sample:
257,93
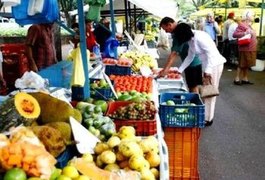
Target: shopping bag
208,90
245,40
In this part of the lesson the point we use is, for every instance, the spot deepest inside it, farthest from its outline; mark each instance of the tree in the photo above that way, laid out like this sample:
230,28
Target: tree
66,6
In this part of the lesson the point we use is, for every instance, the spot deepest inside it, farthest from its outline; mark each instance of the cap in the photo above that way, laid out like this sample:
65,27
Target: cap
231,15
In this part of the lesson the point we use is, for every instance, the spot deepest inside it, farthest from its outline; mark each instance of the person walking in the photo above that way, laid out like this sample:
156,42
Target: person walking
40,47
226,49
211,27
193,73
201,44
247,53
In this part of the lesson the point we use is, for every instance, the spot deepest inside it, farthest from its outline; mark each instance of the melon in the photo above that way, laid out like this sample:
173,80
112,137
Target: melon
20,109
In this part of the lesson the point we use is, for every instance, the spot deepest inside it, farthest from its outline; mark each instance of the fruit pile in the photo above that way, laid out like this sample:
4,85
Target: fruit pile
101,126
128,152
145,110
128,83
24,150
139,60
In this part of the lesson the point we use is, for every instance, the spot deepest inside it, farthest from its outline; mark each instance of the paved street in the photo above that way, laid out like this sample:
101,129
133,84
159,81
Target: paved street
233,148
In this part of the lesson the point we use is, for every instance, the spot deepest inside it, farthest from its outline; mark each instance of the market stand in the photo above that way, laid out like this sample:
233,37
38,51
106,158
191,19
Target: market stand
162,145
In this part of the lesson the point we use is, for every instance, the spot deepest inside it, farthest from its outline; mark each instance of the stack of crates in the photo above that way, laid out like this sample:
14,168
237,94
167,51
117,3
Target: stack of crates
182,123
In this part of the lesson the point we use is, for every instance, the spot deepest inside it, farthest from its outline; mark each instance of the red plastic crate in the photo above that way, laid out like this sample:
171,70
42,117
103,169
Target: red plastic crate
182,146
142,127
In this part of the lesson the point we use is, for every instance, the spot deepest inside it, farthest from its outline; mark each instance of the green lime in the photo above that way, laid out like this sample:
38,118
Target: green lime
15,174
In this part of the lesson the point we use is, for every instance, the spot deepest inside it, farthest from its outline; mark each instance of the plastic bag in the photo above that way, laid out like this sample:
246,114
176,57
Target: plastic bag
78,76
163,41
30,80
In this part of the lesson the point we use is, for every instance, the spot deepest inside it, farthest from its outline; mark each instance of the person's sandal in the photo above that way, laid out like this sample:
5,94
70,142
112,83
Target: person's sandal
247,82
237,82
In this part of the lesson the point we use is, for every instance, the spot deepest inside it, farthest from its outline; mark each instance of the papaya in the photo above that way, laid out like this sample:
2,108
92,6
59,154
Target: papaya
19,109
54,109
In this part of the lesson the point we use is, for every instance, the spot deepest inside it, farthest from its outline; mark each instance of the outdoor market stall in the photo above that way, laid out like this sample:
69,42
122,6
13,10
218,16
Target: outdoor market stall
181,121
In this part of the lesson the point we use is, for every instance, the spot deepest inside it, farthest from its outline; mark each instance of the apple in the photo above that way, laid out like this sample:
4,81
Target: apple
170,103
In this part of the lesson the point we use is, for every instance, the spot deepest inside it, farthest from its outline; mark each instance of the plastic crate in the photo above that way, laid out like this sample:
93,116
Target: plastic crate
65,156
117,70
13,48
104,94
142,127
59,75
183,113
182,146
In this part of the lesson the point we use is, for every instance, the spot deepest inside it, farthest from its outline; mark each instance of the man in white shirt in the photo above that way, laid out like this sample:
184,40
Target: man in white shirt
233,41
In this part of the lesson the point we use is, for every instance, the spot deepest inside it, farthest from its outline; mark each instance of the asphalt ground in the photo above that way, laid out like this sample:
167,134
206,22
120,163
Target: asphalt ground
233,148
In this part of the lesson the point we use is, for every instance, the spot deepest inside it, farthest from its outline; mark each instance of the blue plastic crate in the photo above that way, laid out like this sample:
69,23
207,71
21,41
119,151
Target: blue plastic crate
59,75
103,94
66,156
117,70
188,110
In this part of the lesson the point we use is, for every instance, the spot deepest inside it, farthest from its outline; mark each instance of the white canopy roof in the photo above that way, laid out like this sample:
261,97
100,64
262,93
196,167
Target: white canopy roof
159,8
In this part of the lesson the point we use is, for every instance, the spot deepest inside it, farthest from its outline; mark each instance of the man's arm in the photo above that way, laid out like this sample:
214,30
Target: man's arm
170,60
32,63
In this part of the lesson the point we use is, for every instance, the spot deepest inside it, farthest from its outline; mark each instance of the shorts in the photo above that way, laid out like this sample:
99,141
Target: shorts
247,59
193,76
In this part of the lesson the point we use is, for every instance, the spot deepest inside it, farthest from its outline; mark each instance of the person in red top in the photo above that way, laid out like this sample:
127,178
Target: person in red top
90,37
40,47
247,53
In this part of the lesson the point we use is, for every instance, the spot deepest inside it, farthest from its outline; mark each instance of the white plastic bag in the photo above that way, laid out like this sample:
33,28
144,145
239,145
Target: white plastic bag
30,80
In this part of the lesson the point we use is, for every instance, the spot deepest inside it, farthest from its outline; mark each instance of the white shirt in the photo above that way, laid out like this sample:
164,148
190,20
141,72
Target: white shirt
202,45
231,31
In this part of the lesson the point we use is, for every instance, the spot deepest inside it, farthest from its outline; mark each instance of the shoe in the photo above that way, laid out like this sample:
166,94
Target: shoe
247,82
208,123
237,83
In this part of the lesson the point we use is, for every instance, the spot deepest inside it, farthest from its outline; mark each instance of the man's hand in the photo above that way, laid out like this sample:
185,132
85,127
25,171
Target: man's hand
207,78
162,73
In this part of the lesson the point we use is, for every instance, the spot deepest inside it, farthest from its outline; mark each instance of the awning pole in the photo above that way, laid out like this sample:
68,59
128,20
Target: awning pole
83,47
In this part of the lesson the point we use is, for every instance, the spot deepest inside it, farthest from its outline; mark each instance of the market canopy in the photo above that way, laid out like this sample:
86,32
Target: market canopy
156,7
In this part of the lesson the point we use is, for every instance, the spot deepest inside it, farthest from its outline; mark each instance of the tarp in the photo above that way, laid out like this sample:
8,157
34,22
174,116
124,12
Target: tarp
159,8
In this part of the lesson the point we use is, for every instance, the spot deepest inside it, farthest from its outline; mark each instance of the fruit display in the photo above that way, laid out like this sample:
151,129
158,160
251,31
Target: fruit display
128,83
51,138
109,61
101,126
134,96
124,62
144,110
20,109
139,59
24,150
173,74
126,151
54,109
99,88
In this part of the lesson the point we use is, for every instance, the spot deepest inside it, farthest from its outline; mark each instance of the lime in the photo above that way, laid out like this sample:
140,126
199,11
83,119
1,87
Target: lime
15,174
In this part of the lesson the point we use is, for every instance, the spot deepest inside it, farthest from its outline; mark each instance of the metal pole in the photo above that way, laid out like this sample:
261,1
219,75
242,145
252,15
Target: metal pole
83,47
261,18
113,27
126,14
